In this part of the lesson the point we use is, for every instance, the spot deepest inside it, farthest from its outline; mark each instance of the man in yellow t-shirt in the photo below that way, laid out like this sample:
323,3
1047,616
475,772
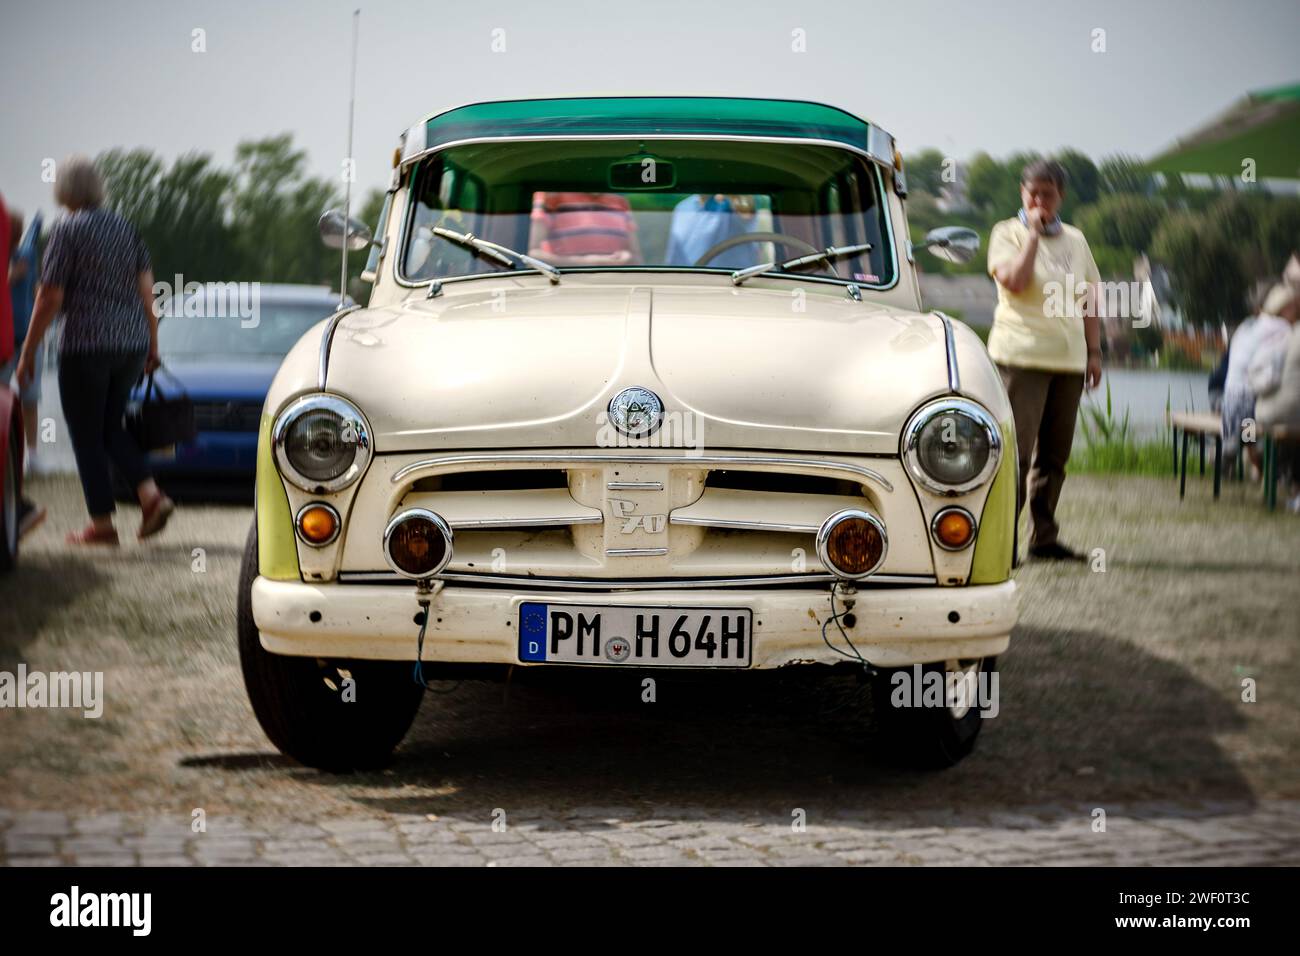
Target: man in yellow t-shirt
1046,341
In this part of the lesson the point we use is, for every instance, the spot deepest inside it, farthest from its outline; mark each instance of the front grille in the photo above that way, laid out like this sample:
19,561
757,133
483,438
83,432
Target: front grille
781,481
227,416
607,518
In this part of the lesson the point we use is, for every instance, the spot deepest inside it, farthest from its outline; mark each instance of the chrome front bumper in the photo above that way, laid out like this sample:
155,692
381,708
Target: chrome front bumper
892,627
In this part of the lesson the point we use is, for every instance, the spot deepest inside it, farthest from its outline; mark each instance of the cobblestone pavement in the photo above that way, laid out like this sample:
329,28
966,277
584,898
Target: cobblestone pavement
1218,835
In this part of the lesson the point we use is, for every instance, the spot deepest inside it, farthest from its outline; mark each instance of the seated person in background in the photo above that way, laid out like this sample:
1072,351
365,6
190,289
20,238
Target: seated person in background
1280,405
583,229
701,222
1238,396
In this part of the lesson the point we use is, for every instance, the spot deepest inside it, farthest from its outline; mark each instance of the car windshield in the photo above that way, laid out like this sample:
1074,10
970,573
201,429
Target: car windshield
269,329
717,205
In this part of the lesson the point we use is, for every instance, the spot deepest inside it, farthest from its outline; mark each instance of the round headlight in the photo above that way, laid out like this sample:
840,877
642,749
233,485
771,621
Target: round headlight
952,446
322,443
417,543
852,543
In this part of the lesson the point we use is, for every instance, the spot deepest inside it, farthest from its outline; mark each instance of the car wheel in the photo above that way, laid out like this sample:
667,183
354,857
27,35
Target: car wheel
9,505
930,737
300,701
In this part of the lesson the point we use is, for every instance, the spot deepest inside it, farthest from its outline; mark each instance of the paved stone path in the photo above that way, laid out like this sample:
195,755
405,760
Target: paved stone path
1266,833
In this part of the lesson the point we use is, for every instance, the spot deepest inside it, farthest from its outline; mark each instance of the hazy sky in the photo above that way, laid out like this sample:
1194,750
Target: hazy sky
995,75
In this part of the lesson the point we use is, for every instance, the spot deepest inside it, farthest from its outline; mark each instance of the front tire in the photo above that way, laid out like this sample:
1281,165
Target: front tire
299,701
927,737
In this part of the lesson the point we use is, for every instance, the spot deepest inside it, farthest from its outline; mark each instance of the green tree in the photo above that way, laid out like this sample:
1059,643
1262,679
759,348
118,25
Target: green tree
993,187
1082,181
276,207
1125,221
925,171
1122,174
1209,280
179,212
1281,232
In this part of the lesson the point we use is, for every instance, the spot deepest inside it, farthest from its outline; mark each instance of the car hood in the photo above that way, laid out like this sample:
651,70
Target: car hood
237,378
735,367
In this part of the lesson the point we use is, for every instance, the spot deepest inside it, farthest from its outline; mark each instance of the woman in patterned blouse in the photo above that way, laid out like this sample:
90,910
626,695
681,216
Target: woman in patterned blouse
97,275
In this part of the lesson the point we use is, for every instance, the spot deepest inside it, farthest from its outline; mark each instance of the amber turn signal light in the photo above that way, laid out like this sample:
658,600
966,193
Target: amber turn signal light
953,528
318,524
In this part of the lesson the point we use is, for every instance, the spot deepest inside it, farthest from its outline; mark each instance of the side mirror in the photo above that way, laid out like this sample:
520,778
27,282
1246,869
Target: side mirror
337,230
954,243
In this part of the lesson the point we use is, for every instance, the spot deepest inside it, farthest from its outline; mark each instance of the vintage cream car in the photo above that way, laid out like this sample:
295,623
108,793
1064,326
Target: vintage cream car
642,383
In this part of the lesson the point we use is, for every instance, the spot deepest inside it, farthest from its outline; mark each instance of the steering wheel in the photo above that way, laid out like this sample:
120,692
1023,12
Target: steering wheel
780,238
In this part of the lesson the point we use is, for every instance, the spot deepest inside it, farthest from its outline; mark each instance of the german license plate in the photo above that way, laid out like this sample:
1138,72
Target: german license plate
645,636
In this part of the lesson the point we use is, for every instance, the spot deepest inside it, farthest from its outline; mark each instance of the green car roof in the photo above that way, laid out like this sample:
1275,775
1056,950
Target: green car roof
648,116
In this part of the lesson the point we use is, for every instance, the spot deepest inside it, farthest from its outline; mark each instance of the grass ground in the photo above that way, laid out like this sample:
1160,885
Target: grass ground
1120,684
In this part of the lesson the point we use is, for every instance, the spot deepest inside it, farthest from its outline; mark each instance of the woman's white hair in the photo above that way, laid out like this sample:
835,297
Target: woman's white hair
1279,298
78,184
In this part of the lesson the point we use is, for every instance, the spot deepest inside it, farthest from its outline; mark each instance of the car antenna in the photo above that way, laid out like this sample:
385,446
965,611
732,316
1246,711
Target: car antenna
349,166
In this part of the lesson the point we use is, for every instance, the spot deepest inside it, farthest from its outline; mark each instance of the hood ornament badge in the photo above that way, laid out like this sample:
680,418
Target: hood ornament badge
636,411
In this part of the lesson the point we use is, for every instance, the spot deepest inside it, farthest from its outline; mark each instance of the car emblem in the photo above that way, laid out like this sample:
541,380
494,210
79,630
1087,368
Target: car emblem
636,411
617,649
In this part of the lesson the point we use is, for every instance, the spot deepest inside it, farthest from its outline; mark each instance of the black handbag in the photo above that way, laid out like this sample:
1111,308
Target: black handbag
159,420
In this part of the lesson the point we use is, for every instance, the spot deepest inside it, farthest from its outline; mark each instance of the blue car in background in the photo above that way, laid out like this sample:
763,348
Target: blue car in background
225,363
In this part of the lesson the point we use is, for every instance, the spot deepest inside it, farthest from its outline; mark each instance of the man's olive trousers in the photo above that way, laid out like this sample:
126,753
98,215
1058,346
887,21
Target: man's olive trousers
1045,405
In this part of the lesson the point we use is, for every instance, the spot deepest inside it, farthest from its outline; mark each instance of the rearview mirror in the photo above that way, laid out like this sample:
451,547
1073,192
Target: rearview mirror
337,229
954,243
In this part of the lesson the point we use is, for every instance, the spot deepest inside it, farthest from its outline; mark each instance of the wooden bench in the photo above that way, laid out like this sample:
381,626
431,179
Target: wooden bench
1199,424
1202,424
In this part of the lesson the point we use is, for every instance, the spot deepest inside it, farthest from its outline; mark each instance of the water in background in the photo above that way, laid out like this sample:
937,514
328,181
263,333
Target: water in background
1145,391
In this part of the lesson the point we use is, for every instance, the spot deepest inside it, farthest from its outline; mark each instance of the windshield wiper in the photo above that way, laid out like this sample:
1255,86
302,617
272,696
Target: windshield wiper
830,252
502,254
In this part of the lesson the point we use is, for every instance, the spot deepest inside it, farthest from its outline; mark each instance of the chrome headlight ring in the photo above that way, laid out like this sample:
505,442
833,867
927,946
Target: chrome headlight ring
950,406
438,521
353,427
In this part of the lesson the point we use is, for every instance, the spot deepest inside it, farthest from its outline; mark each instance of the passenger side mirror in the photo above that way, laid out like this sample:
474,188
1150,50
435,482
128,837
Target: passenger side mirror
953,243
337,229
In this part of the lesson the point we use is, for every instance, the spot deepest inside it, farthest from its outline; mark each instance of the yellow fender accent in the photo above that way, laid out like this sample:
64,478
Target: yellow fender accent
992,561
277,549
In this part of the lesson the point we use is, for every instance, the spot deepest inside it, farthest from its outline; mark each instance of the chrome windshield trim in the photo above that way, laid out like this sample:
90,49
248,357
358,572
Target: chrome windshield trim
954,378
804,464
882,194
632,584
596,137
326,340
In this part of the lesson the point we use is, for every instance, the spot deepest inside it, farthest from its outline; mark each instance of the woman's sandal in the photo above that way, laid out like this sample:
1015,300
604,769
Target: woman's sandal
92,535
154,516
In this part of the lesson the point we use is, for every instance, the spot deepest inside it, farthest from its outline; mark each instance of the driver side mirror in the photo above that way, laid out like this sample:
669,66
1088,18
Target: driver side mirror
953,243
336,230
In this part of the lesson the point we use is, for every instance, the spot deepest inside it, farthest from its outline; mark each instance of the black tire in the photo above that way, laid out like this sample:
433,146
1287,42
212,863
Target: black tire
9,503
927,738
307,719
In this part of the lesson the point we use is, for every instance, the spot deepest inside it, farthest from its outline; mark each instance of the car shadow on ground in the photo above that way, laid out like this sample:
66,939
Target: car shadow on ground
1085,720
